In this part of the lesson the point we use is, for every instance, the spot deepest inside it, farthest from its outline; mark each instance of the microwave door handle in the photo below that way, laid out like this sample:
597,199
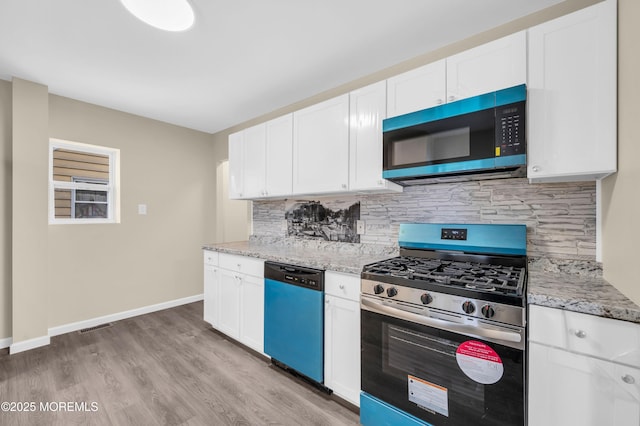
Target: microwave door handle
378,307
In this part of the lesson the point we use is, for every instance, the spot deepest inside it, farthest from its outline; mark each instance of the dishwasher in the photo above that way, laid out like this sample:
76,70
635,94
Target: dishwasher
294,318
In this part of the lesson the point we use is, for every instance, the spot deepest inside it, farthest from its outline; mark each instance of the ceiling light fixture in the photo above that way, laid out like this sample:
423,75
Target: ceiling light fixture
168,15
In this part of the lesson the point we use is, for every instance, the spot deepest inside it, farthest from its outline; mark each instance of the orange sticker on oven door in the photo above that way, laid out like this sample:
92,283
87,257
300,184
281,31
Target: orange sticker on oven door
479,362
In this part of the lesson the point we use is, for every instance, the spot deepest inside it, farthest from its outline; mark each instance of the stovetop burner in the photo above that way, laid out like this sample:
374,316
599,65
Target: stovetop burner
503,279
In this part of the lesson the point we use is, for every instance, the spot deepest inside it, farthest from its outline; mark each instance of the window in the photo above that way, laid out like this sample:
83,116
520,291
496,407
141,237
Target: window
83,183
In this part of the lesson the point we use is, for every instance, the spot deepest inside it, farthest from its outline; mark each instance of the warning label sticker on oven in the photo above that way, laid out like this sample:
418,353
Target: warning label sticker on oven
428,395
479,362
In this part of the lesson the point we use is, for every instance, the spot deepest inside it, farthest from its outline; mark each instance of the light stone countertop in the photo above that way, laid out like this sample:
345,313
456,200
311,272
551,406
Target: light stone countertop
578,287
579,293
338,257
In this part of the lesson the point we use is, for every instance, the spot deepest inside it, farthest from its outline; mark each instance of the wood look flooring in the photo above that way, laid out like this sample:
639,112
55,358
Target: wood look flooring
164,368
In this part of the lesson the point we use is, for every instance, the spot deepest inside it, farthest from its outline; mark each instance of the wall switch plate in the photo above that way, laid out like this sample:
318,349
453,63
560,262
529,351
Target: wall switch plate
360,226
142,209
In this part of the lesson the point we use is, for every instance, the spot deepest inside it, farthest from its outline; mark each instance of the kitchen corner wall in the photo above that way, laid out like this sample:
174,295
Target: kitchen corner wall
83,272
5,208
560,218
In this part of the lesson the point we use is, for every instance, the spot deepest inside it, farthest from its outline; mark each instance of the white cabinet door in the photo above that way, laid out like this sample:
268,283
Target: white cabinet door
492,66
367,109
236,167
572,96
229,303
572,389
279,156
417,89
252,312
342,347
321,147
253,162
211,288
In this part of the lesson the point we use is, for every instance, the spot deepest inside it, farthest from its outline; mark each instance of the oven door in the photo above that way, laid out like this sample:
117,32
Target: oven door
440,376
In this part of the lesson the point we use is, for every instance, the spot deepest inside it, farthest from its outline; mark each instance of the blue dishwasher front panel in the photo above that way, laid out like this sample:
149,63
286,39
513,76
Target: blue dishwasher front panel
294,327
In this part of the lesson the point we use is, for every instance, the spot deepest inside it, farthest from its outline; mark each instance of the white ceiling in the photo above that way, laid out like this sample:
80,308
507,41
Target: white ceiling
241,59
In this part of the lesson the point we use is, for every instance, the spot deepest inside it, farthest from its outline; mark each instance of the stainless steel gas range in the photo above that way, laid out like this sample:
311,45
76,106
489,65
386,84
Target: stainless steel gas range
443,328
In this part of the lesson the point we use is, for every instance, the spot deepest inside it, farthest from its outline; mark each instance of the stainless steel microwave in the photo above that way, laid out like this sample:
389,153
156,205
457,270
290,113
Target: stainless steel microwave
482,134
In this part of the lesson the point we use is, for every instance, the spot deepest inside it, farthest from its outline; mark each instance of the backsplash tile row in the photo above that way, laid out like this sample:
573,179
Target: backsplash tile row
560,218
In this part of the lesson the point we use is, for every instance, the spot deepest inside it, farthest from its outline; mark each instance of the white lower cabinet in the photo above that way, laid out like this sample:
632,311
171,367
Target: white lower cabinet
211,283
236,294
252,312
583,370
342,335
229,303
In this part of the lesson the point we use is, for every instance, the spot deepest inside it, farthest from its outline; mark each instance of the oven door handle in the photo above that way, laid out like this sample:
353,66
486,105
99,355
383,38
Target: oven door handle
375,306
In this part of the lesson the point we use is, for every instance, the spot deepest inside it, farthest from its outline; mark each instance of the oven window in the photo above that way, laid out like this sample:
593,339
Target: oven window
431,359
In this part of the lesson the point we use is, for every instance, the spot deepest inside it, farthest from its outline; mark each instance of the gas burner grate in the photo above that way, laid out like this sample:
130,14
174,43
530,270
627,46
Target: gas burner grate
472,275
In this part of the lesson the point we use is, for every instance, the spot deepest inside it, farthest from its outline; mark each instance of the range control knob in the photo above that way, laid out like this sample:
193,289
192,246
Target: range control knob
377,289
488,311
468,307
392,291
426,298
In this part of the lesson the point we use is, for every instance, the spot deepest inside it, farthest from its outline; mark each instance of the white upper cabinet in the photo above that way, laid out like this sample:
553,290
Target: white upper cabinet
492,66
572,97
279,156
321,147
367,109
260,159
253,154
417,89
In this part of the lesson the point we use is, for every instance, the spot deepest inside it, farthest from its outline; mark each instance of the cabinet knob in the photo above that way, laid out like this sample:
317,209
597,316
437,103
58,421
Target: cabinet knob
628,379
380,182
451,98
341,286
344,186
580,334
439,101
535,168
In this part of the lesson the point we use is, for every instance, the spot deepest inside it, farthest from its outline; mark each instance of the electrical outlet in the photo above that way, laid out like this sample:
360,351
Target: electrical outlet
360,226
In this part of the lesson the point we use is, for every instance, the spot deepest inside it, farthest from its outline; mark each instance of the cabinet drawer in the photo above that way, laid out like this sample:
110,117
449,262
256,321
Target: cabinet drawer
546,326
242,264
210,257
606,338
342,285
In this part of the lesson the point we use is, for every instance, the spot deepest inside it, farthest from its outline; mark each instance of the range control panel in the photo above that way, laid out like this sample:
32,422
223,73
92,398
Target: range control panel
459,234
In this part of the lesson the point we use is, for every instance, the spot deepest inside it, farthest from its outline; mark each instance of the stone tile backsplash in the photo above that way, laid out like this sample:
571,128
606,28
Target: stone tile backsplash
560,218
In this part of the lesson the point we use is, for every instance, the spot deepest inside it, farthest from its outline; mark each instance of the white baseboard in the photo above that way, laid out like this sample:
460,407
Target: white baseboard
5,343
26,345
14,348
68,328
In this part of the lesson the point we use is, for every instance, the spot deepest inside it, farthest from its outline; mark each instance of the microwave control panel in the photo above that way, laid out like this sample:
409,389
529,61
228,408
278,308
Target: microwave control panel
510,131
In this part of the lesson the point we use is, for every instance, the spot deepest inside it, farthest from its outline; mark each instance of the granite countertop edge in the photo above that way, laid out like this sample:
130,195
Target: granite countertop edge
577,290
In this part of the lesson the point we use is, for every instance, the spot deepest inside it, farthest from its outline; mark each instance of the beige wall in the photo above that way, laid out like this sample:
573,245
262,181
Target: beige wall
98,270
30,281
620,193
5,209
55,275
